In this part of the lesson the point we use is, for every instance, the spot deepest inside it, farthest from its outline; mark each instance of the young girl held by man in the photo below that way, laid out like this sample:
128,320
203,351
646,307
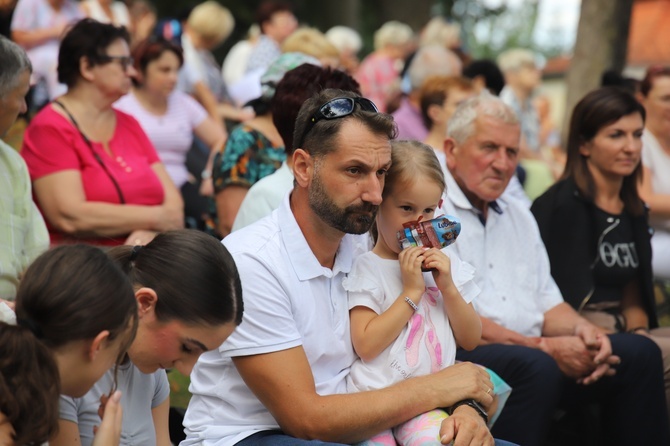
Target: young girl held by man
406,322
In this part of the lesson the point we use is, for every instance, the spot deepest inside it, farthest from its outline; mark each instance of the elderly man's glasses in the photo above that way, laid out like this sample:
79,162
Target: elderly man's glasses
124,61
337,108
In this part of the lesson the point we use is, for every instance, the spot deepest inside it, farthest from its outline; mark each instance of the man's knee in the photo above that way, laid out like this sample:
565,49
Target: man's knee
637,351
542,366
525,369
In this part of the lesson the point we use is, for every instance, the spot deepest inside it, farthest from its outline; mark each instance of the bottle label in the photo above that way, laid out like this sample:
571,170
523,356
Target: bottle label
436,233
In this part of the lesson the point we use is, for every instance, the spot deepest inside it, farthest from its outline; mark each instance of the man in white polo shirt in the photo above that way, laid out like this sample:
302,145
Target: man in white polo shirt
280,378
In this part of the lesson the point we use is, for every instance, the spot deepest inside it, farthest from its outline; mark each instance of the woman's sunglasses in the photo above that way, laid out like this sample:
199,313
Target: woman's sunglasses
337,108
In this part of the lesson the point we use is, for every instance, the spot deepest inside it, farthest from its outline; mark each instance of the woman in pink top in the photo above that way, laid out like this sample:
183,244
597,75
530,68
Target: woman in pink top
96,176
170,119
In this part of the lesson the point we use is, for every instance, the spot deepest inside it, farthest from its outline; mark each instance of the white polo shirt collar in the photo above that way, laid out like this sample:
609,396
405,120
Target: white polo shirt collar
459,199
303,261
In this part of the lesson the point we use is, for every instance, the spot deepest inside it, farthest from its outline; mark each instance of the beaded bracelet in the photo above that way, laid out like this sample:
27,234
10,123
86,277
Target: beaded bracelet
411,304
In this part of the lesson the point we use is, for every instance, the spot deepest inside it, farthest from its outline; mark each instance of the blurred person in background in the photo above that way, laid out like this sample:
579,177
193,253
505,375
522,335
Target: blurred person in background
6,13
379,73
312,42
485,75
96,176
522,77
349,43
655,186
430,60
439,96
254,149
235,64
170,119
277,22
38,26
107,11
439,31
208,25
142,20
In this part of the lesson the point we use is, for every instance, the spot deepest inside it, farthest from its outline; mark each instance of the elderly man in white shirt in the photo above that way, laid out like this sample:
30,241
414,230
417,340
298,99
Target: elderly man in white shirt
538,344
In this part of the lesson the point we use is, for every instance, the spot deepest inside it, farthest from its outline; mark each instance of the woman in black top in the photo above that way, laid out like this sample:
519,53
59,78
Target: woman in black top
594,224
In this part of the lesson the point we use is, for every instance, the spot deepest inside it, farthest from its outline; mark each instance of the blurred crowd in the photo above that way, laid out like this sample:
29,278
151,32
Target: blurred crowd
135,132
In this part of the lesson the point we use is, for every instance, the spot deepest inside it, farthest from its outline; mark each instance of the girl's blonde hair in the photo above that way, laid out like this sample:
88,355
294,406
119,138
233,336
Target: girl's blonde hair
413,161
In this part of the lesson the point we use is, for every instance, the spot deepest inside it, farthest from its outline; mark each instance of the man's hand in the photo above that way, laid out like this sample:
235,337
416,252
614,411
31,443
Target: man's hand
577,360
462,381
594,340
604,359
571,354
465,427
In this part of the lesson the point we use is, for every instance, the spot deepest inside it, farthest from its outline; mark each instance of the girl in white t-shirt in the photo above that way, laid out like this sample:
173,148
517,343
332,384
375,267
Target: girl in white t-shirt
405,322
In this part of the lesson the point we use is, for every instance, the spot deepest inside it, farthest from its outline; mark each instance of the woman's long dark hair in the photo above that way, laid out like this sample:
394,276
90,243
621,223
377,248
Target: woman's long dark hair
29,386
193,274
74,292
597,109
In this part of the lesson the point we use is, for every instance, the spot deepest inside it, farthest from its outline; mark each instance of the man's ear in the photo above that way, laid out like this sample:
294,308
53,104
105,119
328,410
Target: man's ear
303,167
97,344
146,301
450,150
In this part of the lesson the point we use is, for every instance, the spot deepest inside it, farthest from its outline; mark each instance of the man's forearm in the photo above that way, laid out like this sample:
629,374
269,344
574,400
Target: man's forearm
494,333
562,320
290,396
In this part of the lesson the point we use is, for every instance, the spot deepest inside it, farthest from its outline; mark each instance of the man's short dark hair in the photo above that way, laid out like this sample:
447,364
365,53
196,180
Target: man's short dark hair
296,87
321,138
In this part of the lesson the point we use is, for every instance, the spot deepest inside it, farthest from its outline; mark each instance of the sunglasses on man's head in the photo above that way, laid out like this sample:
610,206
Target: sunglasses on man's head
338,108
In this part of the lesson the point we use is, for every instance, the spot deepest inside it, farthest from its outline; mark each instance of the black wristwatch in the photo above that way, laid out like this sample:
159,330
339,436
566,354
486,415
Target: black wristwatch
472,403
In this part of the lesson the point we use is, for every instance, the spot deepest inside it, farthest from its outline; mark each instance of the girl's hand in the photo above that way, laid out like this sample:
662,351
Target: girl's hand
440,263
109,431
140,237
410,267
207,188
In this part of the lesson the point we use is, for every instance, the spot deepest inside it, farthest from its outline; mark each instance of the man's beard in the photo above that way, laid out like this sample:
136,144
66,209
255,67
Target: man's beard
355,219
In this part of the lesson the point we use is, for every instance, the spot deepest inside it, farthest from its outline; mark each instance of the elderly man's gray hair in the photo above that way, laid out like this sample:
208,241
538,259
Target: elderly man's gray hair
461,126
13,62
